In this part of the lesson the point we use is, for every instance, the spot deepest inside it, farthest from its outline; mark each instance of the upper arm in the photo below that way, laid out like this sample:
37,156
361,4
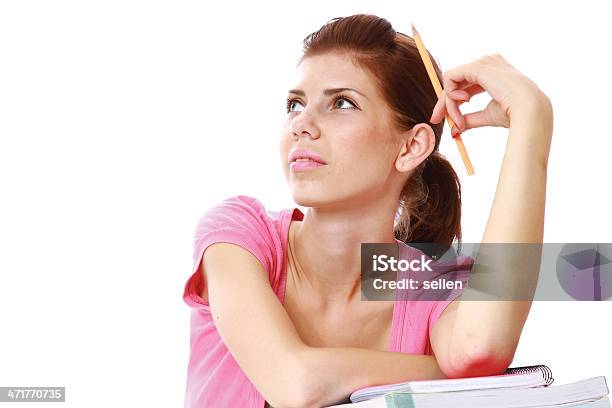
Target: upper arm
239,220
236,253
251,320
440,338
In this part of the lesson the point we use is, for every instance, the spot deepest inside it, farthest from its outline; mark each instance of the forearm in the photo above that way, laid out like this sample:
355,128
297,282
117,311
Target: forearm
517,213
517,217
337,372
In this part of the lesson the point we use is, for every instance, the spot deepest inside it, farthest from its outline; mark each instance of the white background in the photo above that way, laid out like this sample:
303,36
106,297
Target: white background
121,122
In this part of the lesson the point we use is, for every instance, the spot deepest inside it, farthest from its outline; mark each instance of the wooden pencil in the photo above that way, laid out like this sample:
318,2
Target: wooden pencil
438,88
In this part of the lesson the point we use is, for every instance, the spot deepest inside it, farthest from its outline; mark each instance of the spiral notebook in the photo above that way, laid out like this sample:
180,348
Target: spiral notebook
514,377
518,387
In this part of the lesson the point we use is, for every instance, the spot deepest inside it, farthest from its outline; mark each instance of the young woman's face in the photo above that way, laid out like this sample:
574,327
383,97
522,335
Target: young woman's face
350,130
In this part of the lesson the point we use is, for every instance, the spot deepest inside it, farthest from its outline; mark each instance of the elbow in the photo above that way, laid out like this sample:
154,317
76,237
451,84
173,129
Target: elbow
302,389
300,396
307,400
478,361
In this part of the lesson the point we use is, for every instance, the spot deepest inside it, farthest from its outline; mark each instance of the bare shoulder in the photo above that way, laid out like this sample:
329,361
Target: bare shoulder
228,260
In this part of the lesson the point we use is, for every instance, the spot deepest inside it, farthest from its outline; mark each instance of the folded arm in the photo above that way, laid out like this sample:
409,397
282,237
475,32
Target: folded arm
264,341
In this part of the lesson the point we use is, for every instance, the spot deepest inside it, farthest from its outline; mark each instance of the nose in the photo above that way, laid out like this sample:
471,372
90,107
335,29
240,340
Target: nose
304,125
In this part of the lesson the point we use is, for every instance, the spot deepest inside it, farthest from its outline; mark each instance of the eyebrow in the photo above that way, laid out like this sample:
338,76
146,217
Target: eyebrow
327,92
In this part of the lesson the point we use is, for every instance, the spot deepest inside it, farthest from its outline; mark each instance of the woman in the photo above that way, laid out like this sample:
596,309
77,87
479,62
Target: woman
277,314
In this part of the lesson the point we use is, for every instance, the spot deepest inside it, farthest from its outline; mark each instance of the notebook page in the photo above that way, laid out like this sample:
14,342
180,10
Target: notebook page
526,380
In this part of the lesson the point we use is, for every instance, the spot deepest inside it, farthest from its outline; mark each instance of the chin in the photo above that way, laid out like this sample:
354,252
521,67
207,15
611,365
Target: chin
308,196
306,199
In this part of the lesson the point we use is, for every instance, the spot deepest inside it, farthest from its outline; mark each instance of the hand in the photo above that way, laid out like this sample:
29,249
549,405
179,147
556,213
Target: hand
511,91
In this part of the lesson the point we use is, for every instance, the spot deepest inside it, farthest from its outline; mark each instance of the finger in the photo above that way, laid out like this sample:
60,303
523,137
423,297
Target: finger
455,113
473,89
475,120
461,76
439,110
455,132
451,85
460,95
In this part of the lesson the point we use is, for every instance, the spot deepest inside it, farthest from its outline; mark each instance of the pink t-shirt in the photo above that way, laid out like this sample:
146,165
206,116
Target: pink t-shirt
214,379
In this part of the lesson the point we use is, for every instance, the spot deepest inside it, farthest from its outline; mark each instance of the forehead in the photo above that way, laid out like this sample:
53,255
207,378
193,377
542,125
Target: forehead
333,69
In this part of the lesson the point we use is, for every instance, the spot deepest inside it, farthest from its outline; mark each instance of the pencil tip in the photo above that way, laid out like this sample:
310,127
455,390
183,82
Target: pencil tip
414,30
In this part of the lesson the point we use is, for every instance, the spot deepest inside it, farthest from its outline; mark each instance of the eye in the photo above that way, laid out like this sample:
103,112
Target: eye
338,98
344,98
290,103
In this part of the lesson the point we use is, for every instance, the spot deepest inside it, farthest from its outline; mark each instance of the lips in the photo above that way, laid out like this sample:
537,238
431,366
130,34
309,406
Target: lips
300,166
304,155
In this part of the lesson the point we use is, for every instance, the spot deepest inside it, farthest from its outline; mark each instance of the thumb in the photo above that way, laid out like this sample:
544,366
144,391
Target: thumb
476,120
492,115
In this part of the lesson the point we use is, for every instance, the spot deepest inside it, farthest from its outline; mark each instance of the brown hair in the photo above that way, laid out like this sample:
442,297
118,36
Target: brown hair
430,203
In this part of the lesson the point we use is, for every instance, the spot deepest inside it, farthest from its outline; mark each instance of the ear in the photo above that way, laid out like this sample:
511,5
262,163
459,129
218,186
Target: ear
417,144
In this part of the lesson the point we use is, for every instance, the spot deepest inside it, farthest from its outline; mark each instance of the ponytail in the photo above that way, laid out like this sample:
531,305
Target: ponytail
430,204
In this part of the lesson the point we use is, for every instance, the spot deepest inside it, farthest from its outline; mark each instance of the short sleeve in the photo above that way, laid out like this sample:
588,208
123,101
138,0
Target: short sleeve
239,220
459,268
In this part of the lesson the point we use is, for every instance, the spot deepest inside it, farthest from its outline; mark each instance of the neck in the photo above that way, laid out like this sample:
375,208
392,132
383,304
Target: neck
328,248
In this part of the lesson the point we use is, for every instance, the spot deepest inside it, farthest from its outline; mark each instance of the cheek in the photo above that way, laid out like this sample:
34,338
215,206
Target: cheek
366,153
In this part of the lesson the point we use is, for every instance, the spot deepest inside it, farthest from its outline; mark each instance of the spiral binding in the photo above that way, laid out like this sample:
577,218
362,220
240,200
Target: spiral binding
546,372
